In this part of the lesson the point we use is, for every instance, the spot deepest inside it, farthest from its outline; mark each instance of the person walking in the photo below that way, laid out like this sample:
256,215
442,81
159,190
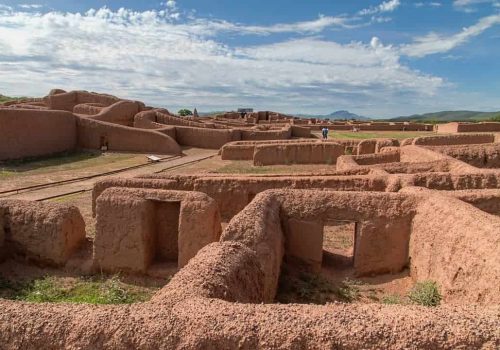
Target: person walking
324,132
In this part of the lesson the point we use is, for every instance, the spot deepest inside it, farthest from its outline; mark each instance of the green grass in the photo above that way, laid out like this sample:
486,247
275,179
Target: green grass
392,299
81,290
7,98
373,135
425,293
61,162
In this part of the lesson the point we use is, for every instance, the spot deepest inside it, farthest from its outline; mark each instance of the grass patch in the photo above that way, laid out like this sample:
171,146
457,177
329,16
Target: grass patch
425,293
373,135
60,162
392,299
80,290
348,291
303,287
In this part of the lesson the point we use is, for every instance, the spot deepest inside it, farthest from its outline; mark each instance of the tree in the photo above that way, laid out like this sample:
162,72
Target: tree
184,112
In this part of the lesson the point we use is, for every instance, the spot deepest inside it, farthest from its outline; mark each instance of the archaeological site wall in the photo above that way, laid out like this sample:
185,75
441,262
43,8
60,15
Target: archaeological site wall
44,233
94,134
232,283
468,127
137,228
30,133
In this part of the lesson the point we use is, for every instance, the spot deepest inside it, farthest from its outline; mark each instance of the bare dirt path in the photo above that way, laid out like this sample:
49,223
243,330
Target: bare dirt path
86,185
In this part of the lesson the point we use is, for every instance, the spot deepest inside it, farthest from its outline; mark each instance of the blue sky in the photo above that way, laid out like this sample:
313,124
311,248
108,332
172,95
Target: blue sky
375,58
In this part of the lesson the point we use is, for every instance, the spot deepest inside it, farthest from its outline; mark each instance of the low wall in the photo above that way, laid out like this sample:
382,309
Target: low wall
204,137
468,127
282,134
481,156
95,134
349,162
297,153
454,140
298,131
31,133
46,233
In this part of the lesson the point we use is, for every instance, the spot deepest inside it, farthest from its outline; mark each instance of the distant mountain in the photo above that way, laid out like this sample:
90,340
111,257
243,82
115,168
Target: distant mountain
342,115
449,116
338,115
5,98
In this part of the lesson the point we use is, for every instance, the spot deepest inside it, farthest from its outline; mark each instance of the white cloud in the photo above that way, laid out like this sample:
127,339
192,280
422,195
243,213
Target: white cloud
145,55
30,6
434,43
386,6
428,4
468,5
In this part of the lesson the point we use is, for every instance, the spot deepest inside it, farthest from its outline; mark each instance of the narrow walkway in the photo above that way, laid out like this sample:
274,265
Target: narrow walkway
87,185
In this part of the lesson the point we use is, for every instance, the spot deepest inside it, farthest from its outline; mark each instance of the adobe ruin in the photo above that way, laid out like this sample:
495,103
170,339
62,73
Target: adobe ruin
429,205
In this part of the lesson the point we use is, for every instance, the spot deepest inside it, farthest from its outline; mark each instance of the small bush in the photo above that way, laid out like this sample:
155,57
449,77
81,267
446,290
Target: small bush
425,293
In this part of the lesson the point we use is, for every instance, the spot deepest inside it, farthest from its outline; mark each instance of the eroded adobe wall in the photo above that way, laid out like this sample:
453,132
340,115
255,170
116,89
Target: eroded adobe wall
30,133
479,127
131,231
94,134
66,101
481,156
458,246
297,153
44,232
204,137
384,223
448,140
298,131
282,134
233,193
121,112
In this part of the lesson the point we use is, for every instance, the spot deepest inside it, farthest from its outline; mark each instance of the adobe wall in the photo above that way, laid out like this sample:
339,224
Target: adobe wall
233,193
282,134
468,127
61,100
205,138
487,200
447,140
298,131
481,156
30,133
2,235
88,108
297,153
348,162
168,119
127,235
44,232
458,246
92,134
121,112
225,285
260,230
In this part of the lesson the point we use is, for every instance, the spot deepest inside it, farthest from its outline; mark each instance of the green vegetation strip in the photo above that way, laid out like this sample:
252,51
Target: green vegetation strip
80,290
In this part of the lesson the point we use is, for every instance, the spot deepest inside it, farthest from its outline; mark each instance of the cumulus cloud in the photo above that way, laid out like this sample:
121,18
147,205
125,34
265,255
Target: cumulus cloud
146,55
435,43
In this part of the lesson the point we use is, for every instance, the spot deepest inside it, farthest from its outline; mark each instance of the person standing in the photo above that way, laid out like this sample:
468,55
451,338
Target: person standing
324,132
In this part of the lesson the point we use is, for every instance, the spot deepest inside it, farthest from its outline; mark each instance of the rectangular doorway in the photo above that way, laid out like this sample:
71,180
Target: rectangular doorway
167,231
338,244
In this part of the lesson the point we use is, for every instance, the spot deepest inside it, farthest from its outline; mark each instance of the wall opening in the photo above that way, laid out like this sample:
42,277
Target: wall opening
166,223
338,244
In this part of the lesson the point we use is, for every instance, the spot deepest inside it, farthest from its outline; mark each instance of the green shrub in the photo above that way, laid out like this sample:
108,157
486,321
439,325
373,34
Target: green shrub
425,293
